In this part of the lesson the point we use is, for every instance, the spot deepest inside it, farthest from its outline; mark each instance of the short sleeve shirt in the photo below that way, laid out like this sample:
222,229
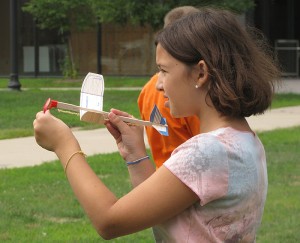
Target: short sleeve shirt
226,168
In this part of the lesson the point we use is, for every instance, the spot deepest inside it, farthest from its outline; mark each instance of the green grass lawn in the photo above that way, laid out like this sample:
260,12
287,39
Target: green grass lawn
282,210
284,100
18,109
37,204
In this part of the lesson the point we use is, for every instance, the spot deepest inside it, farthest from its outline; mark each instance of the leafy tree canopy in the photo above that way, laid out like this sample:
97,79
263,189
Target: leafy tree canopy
153,11
64,14
61,14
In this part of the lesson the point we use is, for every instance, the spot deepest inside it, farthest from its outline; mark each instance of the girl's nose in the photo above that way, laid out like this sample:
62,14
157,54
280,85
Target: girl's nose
159,83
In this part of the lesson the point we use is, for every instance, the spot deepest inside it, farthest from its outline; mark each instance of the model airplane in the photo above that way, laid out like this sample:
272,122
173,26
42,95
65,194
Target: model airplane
91,106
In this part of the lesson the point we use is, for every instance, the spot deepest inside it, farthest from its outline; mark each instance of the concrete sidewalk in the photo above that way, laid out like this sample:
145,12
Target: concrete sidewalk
21,152
275,119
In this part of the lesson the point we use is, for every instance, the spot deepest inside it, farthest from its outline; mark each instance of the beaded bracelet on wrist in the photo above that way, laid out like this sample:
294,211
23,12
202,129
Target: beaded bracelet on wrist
137,161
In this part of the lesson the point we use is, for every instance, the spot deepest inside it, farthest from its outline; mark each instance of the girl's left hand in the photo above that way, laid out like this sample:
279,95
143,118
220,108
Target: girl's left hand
129,138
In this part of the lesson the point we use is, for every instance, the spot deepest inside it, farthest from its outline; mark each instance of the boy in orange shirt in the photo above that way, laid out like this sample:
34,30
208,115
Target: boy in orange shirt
180,129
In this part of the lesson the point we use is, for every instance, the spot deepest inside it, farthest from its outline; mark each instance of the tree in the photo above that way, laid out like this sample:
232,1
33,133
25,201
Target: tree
68,15
64,16
152,12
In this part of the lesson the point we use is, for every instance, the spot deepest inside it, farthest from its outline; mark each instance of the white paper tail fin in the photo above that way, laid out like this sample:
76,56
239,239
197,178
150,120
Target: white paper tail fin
156,117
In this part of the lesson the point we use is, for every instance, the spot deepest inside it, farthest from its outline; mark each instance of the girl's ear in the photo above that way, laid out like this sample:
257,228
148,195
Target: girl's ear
202,70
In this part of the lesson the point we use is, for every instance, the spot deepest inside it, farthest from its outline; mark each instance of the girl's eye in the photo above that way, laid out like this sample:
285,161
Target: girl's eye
162,71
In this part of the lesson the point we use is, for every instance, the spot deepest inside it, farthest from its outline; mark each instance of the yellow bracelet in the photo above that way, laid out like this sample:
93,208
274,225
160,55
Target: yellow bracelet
77,152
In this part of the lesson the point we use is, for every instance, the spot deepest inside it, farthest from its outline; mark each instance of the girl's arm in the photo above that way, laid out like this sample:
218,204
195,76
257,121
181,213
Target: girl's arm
157,199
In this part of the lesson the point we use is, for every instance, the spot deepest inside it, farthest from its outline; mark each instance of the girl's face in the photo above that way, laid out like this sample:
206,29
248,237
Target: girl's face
177,81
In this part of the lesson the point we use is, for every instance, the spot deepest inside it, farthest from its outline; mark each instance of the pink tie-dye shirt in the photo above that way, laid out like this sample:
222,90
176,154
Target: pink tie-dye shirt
226,168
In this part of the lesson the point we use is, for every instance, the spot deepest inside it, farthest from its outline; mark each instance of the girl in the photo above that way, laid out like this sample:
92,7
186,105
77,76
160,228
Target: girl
213,188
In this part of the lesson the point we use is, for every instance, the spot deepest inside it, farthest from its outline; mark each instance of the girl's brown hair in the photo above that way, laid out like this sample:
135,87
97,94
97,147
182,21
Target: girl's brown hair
241,67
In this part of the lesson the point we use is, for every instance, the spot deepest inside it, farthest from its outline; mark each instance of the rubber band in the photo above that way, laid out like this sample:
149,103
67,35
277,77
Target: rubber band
68,112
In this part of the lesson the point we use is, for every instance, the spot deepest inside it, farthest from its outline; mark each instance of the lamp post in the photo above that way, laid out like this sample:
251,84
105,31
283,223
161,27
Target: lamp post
99,47
14,83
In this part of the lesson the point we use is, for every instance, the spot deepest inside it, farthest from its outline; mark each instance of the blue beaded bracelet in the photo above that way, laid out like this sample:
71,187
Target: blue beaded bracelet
137,161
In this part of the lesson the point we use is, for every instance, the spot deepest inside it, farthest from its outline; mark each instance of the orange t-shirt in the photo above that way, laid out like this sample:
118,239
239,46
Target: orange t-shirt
180,129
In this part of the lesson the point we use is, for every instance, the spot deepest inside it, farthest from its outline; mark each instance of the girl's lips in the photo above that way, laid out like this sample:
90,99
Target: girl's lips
167,103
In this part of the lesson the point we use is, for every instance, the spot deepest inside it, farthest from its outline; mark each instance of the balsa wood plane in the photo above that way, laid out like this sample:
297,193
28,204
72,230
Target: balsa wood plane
91,106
